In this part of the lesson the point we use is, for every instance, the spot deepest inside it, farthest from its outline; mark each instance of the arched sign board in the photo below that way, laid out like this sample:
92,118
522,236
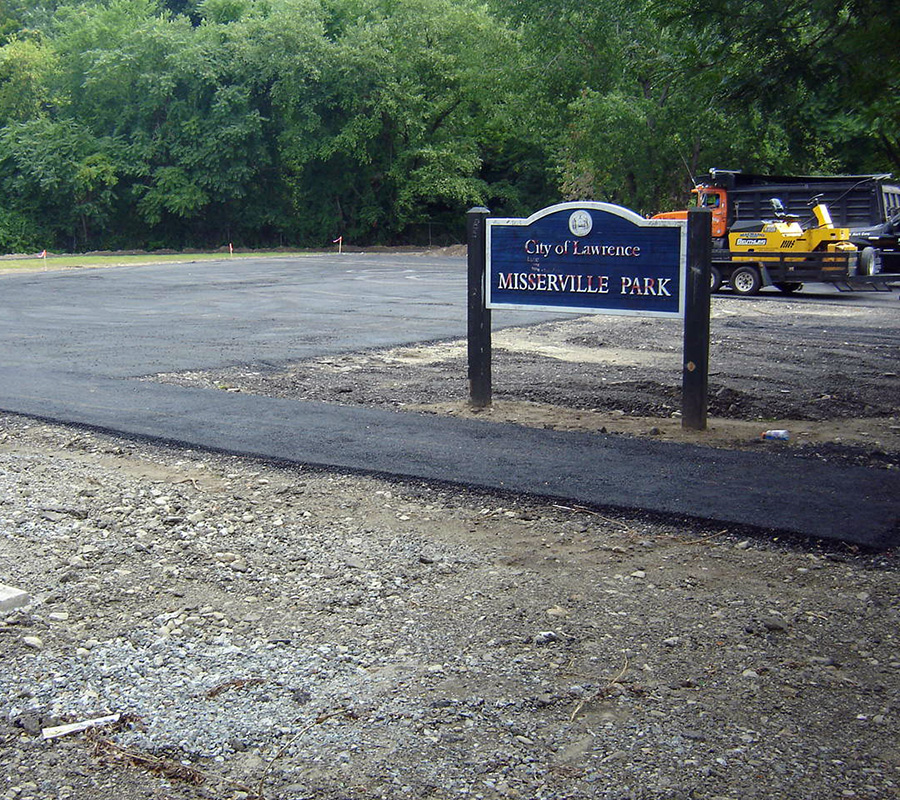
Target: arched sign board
587,257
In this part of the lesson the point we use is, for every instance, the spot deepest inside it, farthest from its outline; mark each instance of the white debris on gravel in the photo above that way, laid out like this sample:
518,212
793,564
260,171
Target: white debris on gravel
397,641
11,597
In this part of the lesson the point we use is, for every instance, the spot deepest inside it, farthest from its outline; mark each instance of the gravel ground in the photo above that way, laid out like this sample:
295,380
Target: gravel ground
282,633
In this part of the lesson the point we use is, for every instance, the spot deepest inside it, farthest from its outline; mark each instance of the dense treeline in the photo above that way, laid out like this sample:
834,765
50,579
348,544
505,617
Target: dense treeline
143,123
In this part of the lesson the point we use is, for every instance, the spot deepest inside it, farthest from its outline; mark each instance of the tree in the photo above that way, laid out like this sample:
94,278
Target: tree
393,132
624,122
59,173
828,70
19,233
26,71
637,98
169,93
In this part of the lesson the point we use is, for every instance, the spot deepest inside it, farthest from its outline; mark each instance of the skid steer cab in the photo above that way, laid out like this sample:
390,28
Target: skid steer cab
784,253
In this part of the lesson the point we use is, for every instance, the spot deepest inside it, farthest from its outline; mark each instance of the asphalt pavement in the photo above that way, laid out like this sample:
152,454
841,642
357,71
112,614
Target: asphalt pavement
77,348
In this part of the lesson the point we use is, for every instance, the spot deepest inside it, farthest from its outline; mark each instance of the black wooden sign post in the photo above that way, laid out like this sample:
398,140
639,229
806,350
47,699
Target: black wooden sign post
695,375
478,314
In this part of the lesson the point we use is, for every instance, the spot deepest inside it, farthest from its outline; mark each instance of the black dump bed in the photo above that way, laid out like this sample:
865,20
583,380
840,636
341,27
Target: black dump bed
855,201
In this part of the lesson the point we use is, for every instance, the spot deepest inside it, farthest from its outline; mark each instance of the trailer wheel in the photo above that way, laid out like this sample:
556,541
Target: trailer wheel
789,288
746,281
868,262
715,280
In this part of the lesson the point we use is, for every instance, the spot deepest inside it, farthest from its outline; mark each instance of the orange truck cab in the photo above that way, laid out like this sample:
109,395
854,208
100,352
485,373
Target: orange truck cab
713,198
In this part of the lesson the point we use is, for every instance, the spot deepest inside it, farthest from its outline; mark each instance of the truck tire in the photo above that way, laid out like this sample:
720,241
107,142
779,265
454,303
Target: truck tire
789,288
715,280
746,281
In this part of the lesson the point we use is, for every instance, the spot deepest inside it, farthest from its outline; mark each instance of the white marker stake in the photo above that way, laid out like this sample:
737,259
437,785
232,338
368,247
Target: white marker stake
77,727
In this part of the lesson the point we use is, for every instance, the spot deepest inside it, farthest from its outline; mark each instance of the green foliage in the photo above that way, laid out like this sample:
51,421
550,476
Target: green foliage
827,70
222,12
11,19
394,128
27,69
19,233
199,122
60,174
655,92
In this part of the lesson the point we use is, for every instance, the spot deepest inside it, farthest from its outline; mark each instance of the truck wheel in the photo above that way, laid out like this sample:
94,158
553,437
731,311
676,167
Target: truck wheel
746,281
789,288
715,280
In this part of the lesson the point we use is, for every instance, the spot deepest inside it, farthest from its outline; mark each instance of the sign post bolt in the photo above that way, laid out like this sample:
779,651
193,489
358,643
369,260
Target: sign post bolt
479,316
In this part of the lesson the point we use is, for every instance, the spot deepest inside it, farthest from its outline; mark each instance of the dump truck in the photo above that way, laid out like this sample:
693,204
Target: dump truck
866,206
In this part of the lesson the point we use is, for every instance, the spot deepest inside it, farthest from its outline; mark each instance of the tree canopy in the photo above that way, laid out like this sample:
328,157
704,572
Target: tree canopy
143,123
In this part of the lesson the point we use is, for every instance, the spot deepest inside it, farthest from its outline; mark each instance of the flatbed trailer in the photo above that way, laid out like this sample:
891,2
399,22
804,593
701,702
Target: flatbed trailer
747,273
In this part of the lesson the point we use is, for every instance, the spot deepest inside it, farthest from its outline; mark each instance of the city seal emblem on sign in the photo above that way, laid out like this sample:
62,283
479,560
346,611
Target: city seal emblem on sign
580,223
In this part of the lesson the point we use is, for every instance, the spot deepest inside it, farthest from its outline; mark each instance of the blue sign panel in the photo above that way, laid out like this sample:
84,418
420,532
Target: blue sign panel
587,257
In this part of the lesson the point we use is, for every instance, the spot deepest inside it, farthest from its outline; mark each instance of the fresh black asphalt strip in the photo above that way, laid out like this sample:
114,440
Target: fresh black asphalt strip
768,491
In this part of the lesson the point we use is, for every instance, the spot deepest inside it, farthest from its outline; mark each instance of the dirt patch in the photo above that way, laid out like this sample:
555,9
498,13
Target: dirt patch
827,372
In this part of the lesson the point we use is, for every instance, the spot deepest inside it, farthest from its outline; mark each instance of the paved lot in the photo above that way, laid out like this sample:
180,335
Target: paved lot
75,344
140,320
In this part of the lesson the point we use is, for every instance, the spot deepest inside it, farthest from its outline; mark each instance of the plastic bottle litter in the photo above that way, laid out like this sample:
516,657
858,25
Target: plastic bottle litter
779,436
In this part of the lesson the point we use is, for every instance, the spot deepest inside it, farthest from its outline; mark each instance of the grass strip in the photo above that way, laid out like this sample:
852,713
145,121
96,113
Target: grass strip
122,260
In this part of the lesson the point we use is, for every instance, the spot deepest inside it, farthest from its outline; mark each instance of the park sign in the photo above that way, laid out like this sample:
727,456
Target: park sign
592,257
587,257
